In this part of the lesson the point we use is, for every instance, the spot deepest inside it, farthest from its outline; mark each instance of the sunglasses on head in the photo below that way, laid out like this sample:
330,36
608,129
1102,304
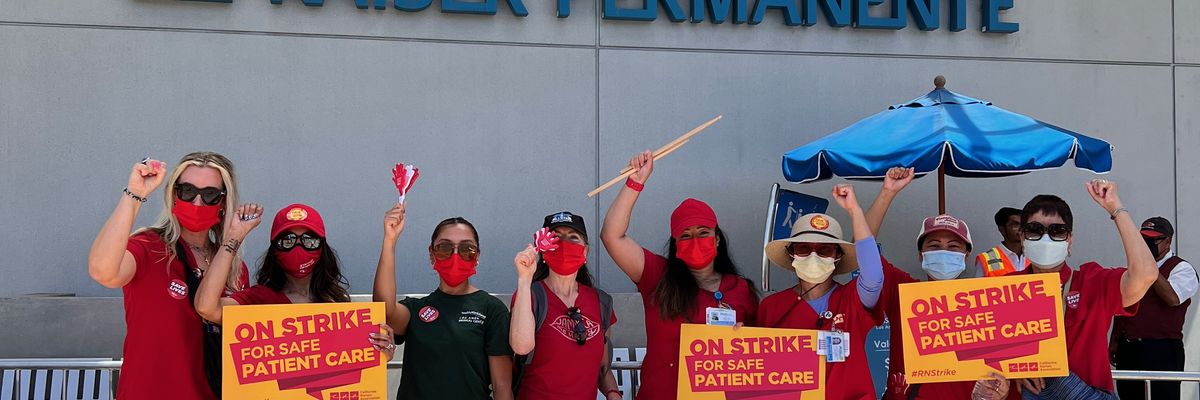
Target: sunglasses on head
822,250
288,241
579,331
1035,230
466,251
188,192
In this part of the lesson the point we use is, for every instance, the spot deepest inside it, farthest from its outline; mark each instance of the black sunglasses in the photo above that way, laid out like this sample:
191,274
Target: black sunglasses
1035,231
288,241
188,192
579,332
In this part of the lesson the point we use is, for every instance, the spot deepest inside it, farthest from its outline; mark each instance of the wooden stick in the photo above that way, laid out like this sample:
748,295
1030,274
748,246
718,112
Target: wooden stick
662,151
679,140
626,174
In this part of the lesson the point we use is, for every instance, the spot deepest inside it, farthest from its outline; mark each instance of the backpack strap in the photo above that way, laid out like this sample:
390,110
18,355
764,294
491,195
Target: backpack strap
606,311
538,297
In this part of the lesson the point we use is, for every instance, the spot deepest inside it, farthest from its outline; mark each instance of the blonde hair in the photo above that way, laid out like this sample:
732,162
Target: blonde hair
167,226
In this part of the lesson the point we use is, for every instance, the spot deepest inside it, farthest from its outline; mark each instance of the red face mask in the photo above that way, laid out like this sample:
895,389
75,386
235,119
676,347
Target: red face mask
298,262
454,270
697,252
567,259
196,218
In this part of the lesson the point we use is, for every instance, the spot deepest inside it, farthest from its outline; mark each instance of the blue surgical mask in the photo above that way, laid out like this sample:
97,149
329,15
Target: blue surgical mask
943,264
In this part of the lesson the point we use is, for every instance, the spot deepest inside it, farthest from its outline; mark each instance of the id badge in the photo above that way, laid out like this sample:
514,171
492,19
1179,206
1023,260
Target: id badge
823,343
837,347
720,316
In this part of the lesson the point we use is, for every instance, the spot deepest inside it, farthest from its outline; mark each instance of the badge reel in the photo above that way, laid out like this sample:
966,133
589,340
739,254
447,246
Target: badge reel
834,344
722,314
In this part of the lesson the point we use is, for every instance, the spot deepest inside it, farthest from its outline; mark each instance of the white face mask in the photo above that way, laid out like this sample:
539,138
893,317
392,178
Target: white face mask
813,269
1046,253
943,264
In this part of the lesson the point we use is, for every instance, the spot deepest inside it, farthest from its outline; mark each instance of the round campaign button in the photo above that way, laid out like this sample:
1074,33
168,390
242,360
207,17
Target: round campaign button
428,314
177,289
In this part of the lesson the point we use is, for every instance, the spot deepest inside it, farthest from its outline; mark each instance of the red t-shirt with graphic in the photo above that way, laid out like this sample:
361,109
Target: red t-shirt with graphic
850,379
163,347
561,367
659,370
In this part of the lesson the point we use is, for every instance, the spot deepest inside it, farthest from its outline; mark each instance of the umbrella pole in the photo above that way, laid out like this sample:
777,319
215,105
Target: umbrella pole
942,189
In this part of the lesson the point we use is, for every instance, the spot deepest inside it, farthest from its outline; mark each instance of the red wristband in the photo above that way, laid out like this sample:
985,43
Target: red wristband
637,187
611,391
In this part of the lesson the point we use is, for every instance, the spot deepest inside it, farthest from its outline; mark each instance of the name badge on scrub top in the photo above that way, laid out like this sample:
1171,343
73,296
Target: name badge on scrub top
721,315
834,345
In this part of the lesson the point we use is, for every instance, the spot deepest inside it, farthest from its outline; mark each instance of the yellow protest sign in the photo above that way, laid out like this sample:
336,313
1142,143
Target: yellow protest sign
720,362
303,351
960,330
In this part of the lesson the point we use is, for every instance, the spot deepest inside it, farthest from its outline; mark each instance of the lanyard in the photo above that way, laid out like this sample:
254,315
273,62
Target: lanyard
1066,288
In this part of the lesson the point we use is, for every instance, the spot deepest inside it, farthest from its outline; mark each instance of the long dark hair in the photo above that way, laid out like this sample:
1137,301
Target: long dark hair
327,284
543,270
675,294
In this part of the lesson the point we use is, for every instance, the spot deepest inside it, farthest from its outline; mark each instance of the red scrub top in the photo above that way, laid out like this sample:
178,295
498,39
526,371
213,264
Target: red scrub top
659,375
850,379
897,386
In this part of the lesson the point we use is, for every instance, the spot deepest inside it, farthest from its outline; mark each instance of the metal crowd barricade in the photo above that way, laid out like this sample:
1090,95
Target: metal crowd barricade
1152,376
59,378
77,378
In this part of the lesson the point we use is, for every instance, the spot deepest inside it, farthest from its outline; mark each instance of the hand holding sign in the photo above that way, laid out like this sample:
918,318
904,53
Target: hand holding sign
545,240
383,341
404,175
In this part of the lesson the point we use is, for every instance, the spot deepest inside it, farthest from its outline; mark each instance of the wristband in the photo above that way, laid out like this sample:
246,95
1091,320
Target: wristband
637,187
611,391
139,199
1118,212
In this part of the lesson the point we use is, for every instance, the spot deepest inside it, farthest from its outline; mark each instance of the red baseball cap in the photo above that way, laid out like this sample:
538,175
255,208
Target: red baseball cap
945,223
297,215
692,212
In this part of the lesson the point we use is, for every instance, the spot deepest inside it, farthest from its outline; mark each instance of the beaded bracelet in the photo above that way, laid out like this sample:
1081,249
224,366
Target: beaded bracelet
140,199
1118,212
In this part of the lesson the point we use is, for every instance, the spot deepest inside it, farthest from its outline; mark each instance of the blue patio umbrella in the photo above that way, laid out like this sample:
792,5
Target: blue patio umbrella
946,132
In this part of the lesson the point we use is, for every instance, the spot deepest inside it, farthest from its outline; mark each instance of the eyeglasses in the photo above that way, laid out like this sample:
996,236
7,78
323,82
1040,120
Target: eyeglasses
188,192
466,251
1035,231
288,241
579,332
822,249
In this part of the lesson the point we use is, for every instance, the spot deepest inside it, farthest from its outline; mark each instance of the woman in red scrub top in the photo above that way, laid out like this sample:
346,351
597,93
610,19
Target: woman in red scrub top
815,252
696,274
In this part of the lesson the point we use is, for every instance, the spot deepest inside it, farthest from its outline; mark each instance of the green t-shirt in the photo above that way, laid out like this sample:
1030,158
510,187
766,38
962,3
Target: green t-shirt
448,343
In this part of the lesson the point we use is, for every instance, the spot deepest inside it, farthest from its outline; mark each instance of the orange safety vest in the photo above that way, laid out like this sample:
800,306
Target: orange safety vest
995,262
